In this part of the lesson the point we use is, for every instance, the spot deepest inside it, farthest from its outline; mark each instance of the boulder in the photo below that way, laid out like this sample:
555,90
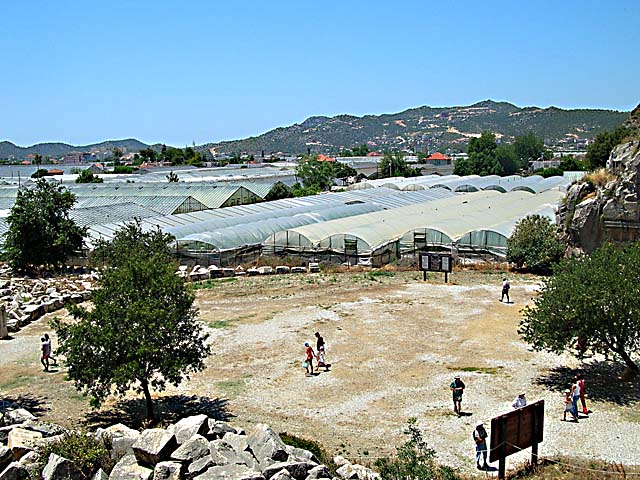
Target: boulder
319,471
128,469
153,446
59,468
4,433
5,457
230,472
14,471
167,471
16,416
121,438
300,454
339,461
201,465
266,444
223,453
347,472
238,442
22,441
282,475
46,429
193,449
218,429
298,470
354,471
100,475
190,426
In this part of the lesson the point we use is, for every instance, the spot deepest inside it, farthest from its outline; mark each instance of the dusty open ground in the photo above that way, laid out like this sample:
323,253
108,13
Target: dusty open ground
394,343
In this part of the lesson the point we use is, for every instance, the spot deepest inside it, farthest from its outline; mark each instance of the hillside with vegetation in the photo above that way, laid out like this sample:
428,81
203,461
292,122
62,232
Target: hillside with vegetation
428,128
57,149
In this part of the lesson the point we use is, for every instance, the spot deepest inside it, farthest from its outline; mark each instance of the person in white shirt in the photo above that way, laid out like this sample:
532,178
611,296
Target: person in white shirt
520,401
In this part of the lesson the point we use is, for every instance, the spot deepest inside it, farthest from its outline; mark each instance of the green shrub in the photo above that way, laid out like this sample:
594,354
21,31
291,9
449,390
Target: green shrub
414,460
314,447
85,451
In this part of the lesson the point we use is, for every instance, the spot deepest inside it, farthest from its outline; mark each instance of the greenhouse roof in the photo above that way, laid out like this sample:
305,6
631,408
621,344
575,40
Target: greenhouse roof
452,216
119,212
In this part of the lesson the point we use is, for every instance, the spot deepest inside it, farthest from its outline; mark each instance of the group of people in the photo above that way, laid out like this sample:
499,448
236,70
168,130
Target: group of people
45,352
318,355
572,395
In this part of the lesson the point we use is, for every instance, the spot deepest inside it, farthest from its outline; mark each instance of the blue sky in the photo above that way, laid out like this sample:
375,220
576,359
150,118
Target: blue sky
183,71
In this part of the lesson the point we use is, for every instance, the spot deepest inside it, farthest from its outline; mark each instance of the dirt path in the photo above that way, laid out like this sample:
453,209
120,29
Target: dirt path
394,343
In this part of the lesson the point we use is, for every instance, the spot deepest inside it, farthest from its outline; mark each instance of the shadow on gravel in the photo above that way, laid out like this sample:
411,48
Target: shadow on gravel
169,409
601,382
35,405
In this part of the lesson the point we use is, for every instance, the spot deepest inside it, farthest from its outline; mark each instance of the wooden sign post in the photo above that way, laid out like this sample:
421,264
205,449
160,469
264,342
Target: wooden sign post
436,262
514,431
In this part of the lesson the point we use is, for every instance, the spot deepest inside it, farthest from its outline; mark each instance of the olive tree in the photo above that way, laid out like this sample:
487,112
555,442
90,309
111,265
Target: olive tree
142,331
41,233
593,301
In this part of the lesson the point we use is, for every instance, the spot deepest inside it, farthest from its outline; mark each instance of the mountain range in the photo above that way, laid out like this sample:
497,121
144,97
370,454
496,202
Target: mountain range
423,128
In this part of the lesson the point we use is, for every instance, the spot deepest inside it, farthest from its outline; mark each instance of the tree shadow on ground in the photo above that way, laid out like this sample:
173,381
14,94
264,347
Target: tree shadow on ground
168,409
35,405
602,382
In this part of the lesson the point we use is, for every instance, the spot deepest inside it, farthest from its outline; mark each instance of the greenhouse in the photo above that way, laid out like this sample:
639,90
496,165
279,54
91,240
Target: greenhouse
378,237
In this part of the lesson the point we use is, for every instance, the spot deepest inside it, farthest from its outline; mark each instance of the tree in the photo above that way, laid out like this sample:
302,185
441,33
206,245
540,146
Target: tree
394,165
482,158
535,244
507,158
315,174
600,149
528,148
278,191
593,300
40,230
87,176
142,332
172,177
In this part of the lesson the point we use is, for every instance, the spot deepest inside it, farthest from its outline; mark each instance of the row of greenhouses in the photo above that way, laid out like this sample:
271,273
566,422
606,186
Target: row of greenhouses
370,226
473,183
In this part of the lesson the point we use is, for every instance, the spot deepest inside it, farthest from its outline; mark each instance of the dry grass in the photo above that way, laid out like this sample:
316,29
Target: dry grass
599,178
569,468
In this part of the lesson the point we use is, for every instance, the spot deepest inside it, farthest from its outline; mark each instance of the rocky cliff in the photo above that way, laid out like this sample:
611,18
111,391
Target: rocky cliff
605,206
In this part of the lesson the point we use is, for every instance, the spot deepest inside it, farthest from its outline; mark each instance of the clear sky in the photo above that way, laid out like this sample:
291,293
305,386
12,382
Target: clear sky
207,70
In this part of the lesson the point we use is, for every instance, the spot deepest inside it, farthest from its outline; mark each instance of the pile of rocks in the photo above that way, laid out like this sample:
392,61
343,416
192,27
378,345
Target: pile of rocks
196,447
27,299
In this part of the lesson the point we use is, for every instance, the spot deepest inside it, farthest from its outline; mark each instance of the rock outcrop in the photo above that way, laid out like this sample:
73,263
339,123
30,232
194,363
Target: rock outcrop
207,450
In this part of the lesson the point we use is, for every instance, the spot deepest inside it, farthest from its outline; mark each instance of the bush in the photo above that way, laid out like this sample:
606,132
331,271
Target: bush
122,169
535,244
414,460
84,450
313,446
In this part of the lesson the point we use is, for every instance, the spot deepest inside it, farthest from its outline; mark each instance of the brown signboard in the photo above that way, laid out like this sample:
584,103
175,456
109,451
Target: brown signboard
514,431
436,262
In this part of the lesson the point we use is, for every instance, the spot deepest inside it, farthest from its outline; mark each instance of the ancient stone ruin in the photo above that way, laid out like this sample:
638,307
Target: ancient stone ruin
196,447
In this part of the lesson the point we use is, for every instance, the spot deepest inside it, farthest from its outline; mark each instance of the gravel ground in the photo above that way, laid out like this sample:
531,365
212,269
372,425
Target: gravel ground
394,345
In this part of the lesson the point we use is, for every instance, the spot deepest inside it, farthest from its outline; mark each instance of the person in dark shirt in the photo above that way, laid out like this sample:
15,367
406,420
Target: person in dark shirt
319,341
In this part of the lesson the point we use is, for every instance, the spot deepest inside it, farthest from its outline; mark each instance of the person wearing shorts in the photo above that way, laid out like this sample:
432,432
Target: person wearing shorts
457,388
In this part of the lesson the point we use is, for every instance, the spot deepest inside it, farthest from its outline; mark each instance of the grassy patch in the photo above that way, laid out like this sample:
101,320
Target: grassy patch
221,324
211,283
485,370
16,382
231,388
376,274
630,415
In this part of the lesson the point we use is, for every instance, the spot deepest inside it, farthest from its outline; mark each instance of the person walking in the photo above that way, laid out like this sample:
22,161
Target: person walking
50,348
575,396
319,341
457,389
44,354
582,394
505,289
520,401
309,356
568,406
480,437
